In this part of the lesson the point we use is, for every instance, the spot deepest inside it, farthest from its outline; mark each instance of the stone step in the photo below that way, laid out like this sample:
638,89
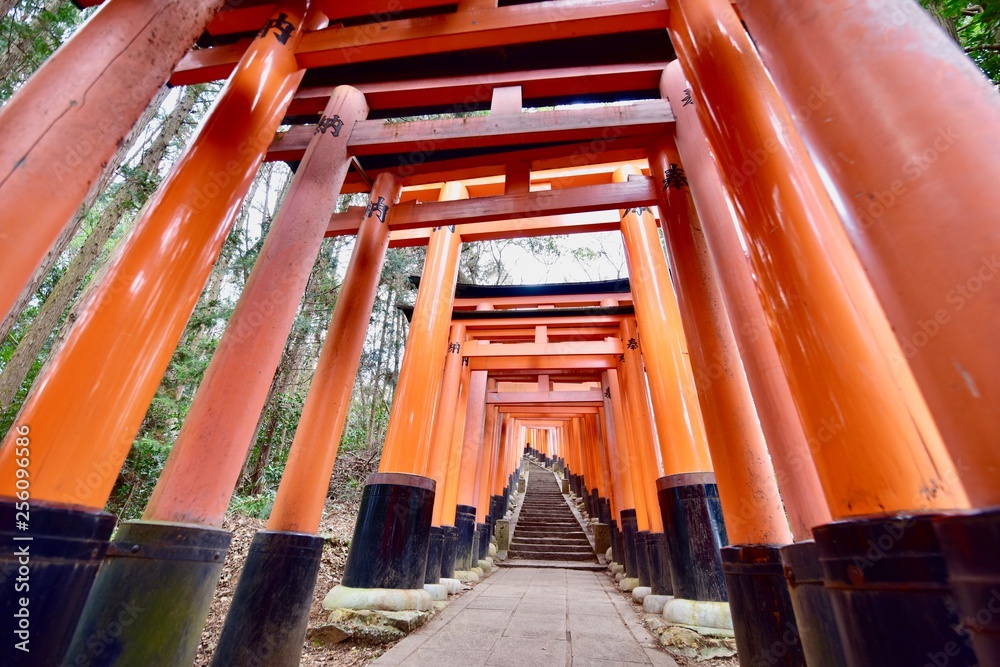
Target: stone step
575,547
551,556
531,539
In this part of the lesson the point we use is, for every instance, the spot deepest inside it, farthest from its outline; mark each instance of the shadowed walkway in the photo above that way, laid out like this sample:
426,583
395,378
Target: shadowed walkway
533,616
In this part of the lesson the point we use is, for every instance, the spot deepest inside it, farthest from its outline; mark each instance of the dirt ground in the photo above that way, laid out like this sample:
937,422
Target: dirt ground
337,526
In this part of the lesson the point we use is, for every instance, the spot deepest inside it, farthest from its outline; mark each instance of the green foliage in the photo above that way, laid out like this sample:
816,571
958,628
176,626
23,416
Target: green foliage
30,34
138,477
976,27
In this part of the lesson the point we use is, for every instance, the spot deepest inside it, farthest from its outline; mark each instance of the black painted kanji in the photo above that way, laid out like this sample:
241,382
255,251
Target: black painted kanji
638,211
607,392
675,178
282,25
330,123
687,99
455,348
632,344
378,209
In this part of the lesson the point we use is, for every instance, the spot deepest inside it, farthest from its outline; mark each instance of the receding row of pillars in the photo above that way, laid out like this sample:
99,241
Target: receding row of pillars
824,371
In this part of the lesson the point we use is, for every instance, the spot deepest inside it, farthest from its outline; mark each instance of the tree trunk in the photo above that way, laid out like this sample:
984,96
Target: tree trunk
70,231
62,295
948,24
377,376
6,6
19,50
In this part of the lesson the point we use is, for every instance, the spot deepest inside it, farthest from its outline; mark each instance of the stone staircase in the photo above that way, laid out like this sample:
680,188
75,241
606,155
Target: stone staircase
546,528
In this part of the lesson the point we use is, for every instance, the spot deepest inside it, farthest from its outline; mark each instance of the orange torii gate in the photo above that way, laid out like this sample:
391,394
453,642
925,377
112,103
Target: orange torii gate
811,360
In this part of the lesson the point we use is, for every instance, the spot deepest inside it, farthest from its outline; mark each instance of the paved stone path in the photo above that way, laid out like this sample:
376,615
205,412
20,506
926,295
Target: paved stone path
523,617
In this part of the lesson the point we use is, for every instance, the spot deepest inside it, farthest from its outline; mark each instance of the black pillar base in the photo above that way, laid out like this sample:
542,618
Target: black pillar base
389,547
477,536
449,551
970,544
435,552
484,540
52,572
604,513
888,585
642,557
616,546
269,613
659,564
465,526
692,520
497,509
151,597
763,618
813,609
629,529
593,506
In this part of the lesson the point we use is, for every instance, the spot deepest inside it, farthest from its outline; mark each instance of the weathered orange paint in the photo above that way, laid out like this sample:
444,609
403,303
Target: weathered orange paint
443,443
795,472
455,457
869,455
630,376
133,316
902,178
298,506
472,440
66,122
617,453
629,462
221,422
487,462
408,434
748,491
679,427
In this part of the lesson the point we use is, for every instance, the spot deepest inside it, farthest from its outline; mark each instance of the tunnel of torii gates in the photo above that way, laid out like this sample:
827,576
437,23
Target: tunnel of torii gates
813,384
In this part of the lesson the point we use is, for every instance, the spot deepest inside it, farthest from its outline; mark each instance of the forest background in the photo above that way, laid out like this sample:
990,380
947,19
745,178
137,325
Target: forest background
30,30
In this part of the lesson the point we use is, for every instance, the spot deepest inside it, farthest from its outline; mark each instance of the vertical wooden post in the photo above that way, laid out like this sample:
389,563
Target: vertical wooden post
220,423
270,608
118,349
408,434
389,550
795,472
922,168
472,452
68,119
843,387
870,455
755,518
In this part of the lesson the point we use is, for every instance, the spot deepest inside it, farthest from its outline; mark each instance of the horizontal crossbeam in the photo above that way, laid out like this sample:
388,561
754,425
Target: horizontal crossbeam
416,142
482,28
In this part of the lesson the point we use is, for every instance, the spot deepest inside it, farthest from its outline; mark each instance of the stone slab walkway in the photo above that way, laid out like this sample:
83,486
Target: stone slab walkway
523,617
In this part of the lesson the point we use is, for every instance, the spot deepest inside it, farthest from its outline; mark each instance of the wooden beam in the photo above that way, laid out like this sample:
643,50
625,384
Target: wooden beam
548,363
559,301
568,349
607,197
465,93
416,142
514,397
550,413
478,29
